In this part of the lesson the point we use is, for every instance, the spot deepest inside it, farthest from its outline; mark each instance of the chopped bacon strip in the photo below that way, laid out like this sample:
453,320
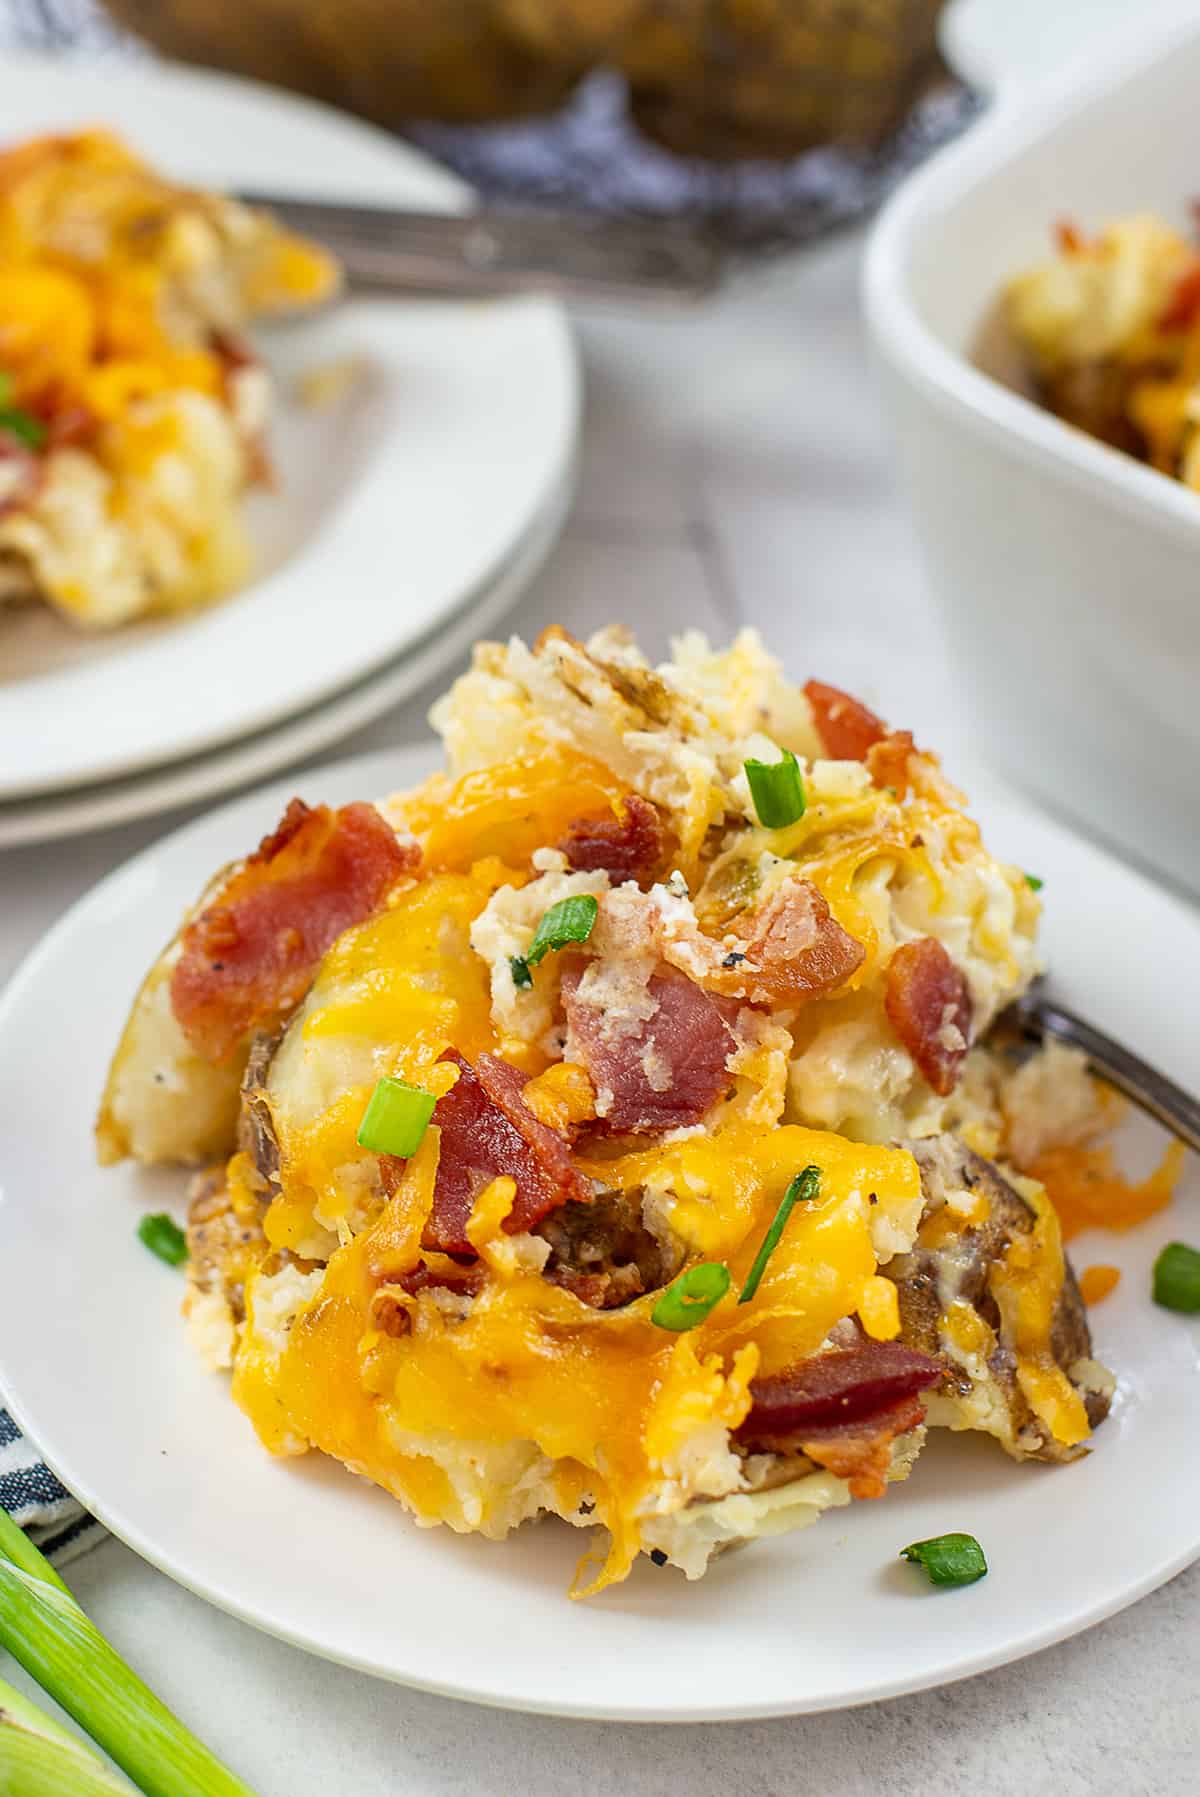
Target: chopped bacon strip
929,1006
796,950
69,425
861,1453
488,1131
845,726
1183,307
660,1072
250,956
629,847
1069,238
843,1385
467,1282
843,1409
890,761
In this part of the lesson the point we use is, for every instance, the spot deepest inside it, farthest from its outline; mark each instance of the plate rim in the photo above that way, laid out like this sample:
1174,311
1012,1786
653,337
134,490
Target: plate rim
263,755
384,770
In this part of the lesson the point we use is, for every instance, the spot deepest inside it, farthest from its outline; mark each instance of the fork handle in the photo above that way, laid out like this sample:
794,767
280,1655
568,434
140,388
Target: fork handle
505,251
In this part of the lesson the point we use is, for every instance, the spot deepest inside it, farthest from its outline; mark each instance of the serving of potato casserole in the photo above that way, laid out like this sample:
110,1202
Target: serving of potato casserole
609,1128
133,411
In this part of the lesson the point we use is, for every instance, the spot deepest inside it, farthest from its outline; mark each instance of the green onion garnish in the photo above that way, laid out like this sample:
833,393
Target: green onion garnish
803,1189
24,425
46,1632
948,1559
686,1303
777,789
571,920
1177,1278
1033,883
396,1118
522,978
163,1237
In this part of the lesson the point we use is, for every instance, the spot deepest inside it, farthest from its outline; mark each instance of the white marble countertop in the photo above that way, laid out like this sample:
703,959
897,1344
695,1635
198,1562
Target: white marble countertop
734,470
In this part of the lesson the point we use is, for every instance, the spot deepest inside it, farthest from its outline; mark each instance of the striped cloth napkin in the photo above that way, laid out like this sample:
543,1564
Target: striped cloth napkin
32,1495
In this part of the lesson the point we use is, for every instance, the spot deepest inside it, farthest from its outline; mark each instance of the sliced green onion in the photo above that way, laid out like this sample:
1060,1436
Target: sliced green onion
803,1190
24,425
38,1758
164,1237
777,789
46,1632
522,978
396,1118
686,1302
7,388
1033,883
571,920
948,1559
1177,1278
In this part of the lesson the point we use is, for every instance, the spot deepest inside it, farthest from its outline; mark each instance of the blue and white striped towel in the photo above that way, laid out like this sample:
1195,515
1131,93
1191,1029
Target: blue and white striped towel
32,1495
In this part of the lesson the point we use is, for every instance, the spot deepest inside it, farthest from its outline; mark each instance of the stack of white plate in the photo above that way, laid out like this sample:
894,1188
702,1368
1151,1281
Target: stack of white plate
411,511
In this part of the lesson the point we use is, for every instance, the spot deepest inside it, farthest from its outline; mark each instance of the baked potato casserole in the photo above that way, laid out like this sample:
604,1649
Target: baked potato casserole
609,1128
133,412
1109,329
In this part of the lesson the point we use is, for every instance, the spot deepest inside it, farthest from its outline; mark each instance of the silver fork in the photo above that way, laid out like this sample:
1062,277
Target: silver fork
510,250
1038,1015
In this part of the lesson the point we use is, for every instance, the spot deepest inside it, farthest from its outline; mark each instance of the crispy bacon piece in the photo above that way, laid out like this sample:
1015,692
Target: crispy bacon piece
845,726
1068,236
1183,307
929,1006
465,1281
843,1409
487,1130
629,847
890,761
843,1385
796,950
664,1071
861,1453
250,956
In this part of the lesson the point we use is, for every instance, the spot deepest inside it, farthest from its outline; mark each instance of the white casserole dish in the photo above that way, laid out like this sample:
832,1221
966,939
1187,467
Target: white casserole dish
1068,574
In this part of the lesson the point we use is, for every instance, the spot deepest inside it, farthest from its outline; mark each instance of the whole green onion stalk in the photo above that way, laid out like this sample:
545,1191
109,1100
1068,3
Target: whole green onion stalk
47,1633
38,1758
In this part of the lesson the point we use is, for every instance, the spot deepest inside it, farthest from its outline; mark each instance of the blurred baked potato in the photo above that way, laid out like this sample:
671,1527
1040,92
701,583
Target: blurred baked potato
388,60
720,78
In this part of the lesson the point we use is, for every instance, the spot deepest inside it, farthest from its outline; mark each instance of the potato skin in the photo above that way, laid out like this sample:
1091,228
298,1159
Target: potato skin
162,1102
947,1164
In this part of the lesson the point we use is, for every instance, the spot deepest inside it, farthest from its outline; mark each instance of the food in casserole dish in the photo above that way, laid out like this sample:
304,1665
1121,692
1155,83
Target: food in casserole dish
608,1128
1110,329
133,412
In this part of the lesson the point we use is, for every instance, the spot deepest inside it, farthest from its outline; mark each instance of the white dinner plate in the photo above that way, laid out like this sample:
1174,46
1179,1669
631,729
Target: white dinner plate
51,815
94,1360
395,504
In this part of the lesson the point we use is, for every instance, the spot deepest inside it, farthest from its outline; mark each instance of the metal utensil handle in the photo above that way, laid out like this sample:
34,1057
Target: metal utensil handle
507,251
1038,1015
